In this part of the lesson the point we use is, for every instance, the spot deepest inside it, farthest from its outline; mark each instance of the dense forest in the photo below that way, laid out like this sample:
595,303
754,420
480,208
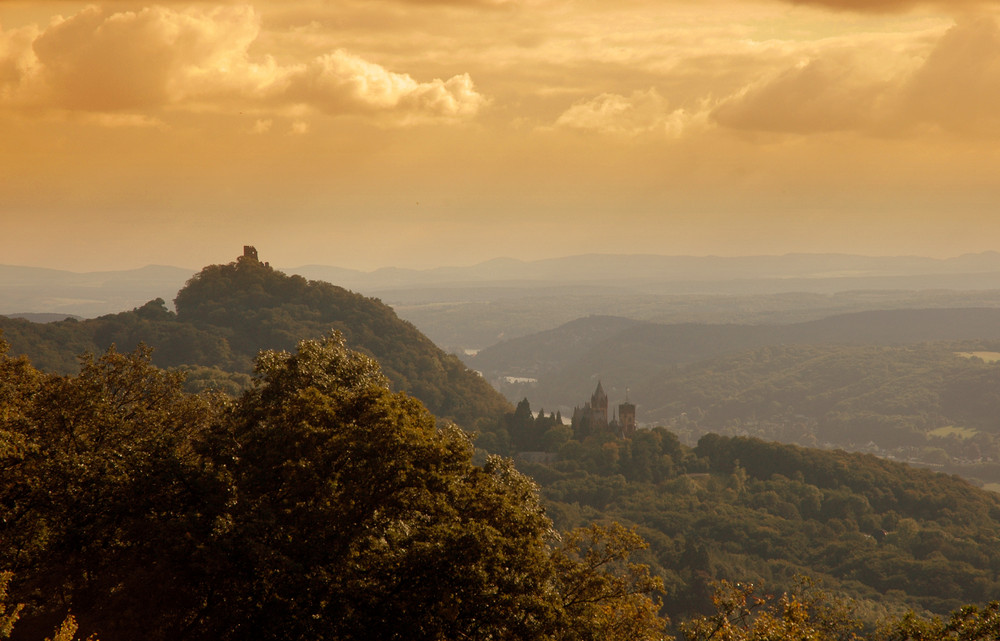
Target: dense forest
927,402
174,482
227,313
889,536
320,504
931,402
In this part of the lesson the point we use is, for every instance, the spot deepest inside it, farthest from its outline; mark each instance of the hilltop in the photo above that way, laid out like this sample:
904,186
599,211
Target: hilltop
227,313
472,307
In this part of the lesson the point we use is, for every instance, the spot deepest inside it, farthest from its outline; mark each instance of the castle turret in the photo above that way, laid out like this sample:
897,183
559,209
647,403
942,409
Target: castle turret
599,404
626,417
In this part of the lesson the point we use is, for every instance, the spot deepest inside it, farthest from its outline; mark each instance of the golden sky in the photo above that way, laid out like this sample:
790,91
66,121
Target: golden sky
416,133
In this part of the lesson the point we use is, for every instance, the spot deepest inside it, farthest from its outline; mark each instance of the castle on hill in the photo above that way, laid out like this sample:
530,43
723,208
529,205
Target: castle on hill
592,418
250,254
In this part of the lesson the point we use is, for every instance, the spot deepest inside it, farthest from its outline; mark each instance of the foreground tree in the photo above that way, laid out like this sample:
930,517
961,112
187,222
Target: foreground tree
743,614
102,499
319,504
354,517
970,623
602,594
808,614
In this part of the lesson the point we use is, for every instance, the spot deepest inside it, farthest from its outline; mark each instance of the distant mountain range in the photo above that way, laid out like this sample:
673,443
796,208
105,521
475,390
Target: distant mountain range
567,358
31,289
686,274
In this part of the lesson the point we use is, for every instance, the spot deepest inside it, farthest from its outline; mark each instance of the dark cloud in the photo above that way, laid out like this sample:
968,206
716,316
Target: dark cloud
886,6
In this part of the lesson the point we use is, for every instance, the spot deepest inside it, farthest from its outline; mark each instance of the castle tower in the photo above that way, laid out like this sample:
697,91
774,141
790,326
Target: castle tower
626,417
599,405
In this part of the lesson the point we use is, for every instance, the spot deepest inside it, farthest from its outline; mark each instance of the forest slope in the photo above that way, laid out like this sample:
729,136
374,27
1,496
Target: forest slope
873,382
227,313
644,347
889,536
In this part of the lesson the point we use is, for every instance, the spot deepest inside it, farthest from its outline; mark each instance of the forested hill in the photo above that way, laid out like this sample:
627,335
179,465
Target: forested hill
889,536
605,343
227,313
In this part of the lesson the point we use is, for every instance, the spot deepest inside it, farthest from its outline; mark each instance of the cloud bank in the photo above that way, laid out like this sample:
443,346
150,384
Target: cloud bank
641,113
954,87
100,60
888,6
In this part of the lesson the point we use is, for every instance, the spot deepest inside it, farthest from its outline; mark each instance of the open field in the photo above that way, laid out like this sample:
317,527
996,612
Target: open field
952,430
989,357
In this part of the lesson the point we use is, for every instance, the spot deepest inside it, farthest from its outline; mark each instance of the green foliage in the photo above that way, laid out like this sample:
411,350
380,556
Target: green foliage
8,613
96,499
354,517
604,596
890,537
213,379
969,623
227,313
319,504
529,433
741,614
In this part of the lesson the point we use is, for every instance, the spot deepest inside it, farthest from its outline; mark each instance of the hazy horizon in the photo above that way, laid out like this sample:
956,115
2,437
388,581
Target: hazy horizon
417,133
264,257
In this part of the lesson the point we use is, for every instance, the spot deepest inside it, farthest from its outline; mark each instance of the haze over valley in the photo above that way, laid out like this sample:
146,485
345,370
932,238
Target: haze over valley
912,383
667,329
500,320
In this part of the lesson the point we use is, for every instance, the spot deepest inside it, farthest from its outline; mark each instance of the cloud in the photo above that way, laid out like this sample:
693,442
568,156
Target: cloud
115,120
824,94
953,85
642,112
101,61
341,82
199,59
885,6
471,3
958,87
17,60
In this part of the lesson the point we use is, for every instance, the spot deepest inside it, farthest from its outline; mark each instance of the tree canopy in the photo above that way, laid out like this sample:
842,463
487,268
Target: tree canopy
318,504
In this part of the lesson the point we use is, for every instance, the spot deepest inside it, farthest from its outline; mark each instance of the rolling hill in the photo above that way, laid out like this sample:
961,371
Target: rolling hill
227,313
903,384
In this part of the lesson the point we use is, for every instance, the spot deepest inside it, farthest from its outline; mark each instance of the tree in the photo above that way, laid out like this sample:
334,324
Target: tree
8,613
102,502
319,504
355,517
969,623
603,595
806,614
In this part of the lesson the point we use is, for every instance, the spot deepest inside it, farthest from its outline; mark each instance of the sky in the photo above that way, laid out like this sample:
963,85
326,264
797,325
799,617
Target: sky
419,133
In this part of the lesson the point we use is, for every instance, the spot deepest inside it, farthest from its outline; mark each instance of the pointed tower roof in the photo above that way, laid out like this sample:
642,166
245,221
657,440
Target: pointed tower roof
599,401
